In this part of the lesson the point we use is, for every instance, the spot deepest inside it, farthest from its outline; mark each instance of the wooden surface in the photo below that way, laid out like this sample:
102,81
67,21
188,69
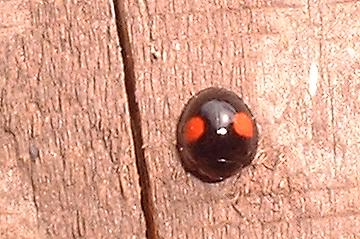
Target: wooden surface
67,157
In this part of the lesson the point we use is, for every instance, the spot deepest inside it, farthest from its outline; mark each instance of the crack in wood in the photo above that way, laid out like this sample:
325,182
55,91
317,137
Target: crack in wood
147,203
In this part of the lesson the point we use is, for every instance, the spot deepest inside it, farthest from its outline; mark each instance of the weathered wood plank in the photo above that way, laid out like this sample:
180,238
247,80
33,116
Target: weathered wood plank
66,152
305,180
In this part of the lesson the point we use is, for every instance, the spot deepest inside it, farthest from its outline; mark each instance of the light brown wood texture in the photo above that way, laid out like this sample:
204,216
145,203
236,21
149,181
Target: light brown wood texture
67,166
67,160
304,182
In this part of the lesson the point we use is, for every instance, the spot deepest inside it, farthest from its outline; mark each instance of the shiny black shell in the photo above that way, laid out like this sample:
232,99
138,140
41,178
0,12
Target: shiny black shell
216,156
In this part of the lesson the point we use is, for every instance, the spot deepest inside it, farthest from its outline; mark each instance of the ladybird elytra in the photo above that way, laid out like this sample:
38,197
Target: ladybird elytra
217,135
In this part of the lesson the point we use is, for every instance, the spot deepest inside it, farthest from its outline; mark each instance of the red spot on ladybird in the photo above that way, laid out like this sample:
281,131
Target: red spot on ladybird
243,125
194,129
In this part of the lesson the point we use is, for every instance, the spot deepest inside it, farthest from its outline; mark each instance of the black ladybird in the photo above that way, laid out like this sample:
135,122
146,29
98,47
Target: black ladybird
216,135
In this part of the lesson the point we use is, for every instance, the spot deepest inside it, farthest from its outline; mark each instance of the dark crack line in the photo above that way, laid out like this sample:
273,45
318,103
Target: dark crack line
147,203
33,187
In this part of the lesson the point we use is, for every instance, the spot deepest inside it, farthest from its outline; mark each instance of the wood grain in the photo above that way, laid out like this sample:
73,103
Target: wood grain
66,151
68,167
304,182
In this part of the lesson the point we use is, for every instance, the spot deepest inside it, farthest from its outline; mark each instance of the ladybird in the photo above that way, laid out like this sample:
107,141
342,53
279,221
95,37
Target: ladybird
217,135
